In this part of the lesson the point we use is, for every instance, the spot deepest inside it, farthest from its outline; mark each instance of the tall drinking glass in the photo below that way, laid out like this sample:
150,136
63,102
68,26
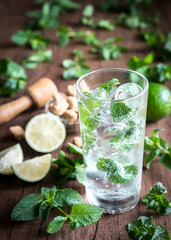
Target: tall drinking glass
112,106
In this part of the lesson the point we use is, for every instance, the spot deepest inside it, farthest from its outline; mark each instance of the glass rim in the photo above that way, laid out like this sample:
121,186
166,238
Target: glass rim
116,69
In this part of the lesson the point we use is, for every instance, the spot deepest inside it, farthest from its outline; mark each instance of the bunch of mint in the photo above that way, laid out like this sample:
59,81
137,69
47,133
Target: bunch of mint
36,204
75,68
156,146
12,76
155,199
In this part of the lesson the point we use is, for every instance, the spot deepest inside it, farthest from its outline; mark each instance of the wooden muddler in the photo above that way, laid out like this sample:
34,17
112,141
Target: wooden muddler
37,94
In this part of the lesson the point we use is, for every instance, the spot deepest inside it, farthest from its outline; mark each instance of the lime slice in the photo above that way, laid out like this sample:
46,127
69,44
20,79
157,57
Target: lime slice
10,156
33,170
45,133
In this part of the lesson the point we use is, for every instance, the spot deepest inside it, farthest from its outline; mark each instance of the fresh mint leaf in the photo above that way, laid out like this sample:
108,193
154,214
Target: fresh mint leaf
88,20
80,173
108,50
84,215
56,224
85,118
44,210
28,208
75,149
77,68
143,228
156,146
118,111
108,86
12,77
46,18
115,172
135,63
34,58
88,140
34,38
155,199
67,197
156,40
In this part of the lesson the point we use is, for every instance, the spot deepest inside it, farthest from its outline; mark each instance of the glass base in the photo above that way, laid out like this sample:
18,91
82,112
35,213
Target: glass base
116,205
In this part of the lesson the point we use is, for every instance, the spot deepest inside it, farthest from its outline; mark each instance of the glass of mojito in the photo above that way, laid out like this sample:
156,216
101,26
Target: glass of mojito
112,106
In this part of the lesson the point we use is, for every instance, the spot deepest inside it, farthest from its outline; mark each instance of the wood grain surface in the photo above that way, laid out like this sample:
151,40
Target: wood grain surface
12,189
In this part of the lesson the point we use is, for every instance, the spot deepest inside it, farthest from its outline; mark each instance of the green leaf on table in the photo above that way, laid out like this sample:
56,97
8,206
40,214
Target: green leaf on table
118,111
155,199
84,215
109,85
34,38
28,208
34,58
88,20
156,146
12,77
115,172
157,73
75,68
75,149
80,173
143,228
45,18
63,36
44,210
156,40
67,197
108,50
56,224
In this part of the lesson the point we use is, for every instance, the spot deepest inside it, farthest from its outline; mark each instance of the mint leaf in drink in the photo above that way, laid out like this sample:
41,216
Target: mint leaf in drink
84,215
56,224
80,173
90,103
156,146
88,140
118,111
67,197
12,77
28,208
143,228
85,118
34,58
108,50
108,86
34,38
75,68
115,172
155,199
74,149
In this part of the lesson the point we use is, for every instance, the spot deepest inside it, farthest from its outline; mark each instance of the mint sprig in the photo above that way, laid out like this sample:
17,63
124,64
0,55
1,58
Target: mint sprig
34,38
143,228
34,205
75,68
156,146
108,86
115,172
12,77
155,199
34,58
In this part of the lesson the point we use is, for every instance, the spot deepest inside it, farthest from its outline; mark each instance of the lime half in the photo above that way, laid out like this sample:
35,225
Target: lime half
33,170
10,156
45,133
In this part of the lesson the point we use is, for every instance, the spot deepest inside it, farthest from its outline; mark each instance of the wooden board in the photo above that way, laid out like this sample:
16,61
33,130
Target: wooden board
12,189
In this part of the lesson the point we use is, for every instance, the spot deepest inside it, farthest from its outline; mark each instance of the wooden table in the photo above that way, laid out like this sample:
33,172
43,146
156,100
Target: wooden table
12,189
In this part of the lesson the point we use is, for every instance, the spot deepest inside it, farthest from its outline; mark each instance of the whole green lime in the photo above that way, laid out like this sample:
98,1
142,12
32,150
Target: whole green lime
159,102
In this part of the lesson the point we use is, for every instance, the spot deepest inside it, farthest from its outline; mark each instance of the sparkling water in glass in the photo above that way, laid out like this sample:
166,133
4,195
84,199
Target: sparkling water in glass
112,111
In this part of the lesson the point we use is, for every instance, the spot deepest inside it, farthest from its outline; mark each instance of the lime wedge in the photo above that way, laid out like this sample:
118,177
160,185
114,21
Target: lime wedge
45,133
33,170
10,156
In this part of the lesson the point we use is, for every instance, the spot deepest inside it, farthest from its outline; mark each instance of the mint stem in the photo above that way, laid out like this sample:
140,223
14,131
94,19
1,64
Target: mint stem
62,211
